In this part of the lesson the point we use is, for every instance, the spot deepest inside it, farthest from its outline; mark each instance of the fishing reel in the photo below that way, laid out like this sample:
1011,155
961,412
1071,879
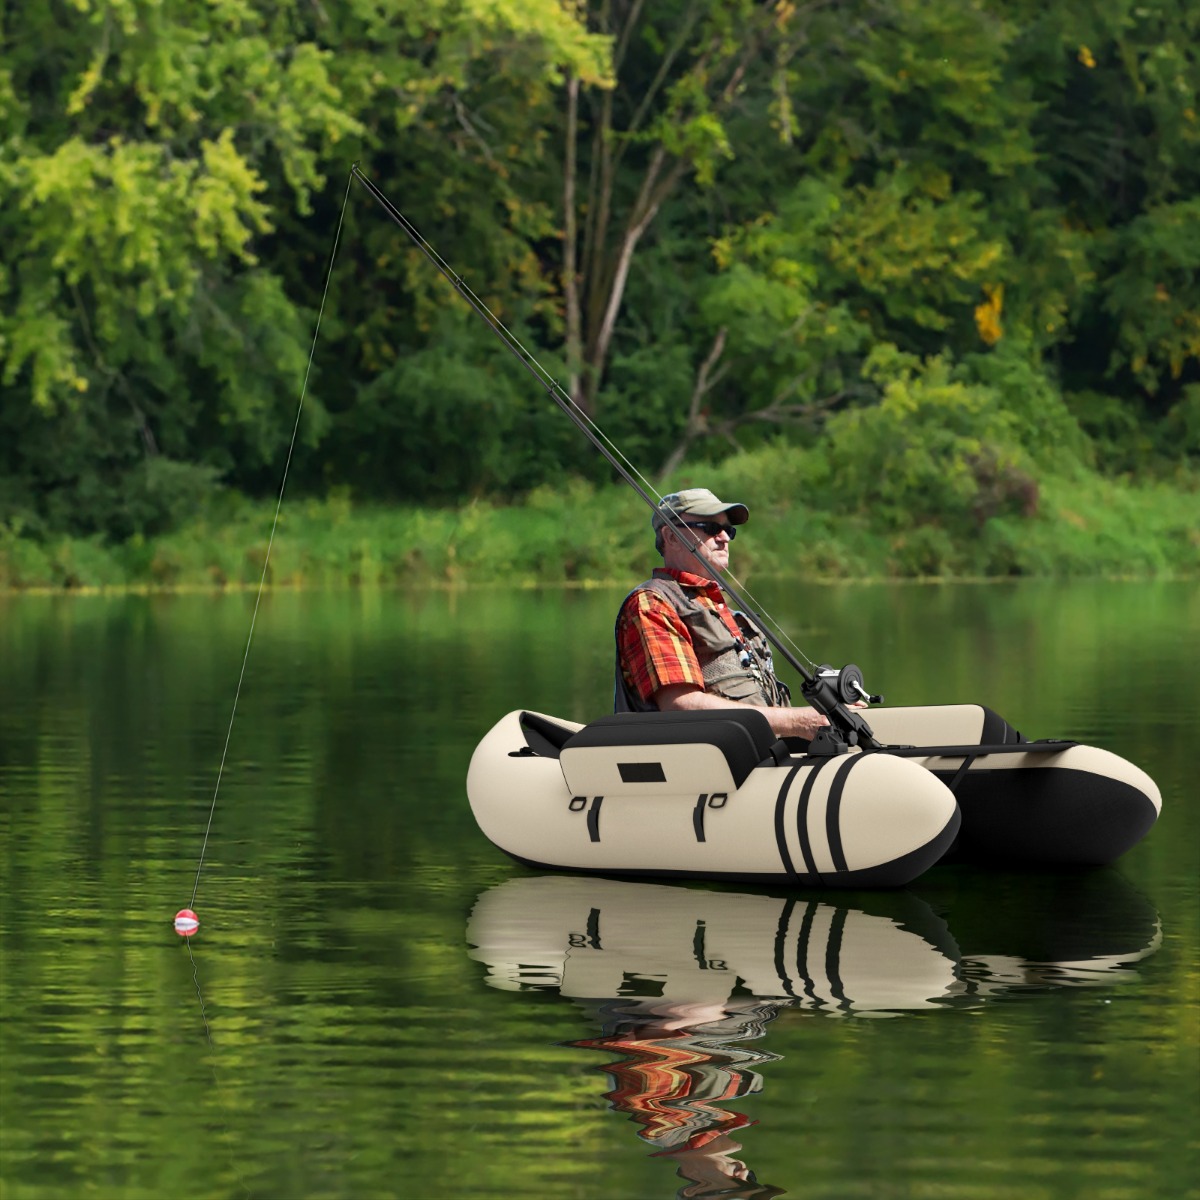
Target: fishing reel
832,693
847,684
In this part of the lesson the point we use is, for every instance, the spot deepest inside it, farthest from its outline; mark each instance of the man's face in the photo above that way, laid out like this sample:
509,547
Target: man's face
713,535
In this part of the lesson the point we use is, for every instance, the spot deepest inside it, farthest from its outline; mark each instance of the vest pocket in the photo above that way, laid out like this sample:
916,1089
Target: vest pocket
743,687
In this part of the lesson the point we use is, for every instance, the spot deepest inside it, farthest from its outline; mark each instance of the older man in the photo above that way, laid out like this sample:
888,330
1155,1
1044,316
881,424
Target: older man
679,644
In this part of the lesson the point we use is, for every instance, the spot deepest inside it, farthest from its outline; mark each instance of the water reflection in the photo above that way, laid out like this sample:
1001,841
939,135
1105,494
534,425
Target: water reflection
679,1069
682,981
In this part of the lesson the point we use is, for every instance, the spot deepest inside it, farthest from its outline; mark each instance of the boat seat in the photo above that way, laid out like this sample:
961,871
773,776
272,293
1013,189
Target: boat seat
669,753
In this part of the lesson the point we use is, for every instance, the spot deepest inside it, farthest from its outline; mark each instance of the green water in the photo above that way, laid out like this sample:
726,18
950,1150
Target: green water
368,1009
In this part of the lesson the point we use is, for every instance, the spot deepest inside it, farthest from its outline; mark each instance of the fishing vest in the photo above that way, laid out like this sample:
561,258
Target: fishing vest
738,668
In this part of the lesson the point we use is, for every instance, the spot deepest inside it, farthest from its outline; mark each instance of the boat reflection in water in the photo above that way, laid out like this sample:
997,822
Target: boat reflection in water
683,981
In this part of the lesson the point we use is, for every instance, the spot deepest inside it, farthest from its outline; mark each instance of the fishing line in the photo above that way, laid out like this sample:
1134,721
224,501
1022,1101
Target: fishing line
186,922
583,420
271,540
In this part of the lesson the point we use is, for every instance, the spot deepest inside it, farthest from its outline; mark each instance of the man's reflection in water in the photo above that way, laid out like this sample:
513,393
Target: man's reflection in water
679,1068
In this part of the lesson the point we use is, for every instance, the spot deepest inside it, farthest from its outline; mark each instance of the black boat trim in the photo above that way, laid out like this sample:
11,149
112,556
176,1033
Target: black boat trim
833,806
996,729
593,818
1043,746
543,736
1060,815
780,837
802,819
546,739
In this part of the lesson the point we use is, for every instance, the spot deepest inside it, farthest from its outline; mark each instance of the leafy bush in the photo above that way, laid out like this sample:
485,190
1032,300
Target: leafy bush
936,450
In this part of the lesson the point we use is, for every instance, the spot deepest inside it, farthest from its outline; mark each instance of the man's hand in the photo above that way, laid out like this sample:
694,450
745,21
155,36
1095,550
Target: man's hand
786,722
802,723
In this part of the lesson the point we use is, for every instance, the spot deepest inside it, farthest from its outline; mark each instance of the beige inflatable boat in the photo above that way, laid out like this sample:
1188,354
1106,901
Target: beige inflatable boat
715,795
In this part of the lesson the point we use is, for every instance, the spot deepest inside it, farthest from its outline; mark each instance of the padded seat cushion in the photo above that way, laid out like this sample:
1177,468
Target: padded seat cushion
649,753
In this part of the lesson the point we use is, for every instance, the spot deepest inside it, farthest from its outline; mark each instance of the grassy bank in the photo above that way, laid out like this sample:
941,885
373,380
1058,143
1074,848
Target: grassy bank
1083,526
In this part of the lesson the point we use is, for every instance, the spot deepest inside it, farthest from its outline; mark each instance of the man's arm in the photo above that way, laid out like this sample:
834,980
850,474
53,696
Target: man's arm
786,722
654,646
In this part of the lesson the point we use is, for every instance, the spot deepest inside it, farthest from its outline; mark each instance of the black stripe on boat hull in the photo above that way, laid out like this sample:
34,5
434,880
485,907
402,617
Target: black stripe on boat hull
780,837
593,819
802,820
833,809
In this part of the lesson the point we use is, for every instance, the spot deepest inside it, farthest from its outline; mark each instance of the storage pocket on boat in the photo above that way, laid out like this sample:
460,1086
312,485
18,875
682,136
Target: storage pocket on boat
666,754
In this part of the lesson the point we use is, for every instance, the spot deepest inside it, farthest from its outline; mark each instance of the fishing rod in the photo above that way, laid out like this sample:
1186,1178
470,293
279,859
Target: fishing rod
829,692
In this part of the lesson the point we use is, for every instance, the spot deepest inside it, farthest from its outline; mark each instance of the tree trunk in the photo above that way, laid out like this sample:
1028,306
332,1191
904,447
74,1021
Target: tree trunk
594,283
570,235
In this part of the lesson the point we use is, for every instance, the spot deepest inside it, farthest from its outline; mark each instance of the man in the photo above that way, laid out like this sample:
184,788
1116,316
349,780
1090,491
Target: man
679,645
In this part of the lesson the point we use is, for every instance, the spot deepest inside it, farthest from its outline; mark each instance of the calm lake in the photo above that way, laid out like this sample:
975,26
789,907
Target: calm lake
366,1010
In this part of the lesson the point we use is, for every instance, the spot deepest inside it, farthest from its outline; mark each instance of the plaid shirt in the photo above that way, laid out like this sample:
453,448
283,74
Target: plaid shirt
653,642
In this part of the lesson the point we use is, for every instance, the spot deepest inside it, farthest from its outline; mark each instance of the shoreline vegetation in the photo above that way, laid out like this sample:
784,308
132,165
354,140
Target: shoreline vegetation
581,534
919,284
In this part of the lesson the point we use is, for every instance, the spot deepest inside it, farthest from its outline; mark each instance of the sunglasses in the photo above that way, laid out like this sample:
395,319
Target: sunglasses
712,528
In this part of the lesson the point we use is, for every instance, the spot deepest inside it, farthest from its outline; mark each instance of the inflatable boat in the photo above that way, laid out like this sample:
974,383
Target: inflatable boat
716,795
1045,803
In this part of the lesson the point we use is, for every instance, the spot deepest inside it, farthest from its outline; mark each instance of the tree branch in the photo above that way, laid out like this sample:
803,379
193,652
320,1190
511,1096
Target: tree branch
696,425
644,210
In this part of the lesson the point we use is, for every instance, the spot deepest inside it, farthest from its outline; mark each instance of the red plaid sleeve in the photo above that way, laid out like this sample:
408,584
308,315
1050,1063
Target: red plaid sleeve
654,645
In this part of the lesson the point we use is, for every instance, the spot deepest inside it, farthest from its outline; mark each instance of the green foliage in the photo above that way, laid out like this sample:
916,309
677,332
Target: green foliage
1040,420
151,197
1154,296
1182,428
1125,444
792,339
893,237
937,450
804,525
942,72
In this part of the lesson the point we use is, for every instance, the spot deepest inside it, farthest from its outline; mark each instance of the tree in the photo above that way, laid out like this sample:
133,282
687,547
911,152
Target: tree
148,191
683,72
